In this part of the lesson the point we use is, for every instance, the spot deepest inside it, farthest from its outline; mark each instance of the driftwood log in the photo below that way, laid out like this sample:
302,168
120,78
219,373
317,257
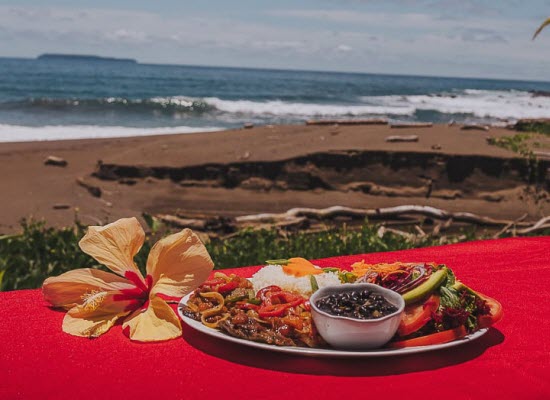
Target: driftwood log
92,189
56,161
474,127
376,213
407,214
542,224
510,226
541,155
402,138
404,125
367,121
191,223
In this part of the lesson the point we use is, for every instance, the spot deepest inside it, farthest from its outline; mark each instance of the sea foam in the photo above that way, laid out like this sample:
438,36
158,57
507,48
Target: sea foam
282,108
479,103
19,133
496,104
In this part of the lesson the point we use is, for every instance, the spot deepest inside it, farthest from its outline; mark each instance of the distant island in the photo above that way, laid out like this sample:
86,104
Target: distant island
82,57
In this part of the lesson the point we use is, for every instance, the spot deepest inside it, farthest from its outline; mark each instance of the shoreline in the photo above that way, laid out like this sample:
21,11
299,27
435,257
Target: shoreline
265,169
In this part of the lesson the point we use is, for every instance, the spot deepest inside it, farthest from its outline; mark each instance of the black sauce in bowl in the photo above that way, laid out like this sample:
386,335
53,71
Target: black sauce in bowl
358,304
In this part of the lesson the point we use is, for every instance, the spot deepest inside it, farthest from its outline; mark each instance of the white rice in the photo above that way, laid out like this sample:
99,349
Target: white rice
274,275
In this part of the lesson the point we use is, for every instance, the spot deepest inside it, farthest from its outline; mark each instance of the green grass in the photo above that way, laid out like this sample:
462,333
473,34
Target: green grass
40,251
26,259
519,143
534,126
522,143
251,247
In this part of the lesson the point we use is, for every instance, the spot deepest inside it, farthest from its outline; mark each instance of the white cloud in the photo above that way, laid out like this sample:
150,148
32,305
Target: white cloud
344,48
130,36
413,43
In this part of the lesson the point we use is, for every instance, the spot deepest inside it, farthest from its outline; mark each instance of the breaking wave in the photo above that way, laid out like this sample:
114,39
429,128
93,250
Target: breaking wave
19,133
281,108
497,104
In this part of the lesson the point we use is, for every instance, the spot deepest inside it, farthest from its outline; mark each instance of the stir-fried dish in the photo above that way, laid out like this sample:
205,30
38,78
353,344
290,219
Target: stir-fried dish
272,315
439,308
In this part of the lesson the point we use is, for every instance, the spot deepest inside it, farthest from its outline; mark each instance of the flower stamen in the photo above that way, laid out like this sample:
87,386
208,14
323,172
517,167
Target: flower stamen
93,299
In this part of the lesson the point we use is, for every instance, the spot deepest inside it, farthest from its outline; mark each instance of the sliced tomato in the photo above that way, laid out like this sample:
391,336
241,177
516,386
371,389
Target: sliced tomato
486,321
434,338
417,315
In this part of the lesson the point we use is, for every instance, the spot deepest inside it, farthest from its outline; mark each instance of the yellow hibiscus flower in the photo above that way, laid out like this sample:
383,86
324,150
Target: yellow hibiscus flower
96,299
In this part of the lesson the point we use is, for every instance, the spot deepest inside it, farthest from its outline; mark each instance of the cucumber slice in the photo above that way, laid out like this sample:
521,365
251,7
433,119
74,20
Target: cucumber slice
314,284
426,288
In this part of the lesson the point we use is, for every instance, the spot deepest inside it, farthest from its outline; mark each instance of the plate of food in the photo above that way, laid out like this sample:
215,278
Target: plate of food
288,305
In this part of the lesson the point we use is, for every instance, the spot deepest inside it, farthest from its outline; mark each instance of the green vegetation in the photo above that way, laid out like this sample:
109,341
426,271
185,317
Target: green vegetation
39,251
542,127
253,247
533,134
518,143
28,258
523,142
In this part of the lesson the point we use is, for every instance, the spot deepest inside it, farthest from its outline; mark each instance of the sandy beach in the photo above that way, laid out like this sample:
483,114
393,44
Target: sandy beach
267,169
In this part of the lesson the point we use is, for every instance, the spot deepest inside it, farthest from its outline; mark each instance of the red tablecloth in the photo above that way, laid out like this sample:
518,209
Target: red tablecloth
512,361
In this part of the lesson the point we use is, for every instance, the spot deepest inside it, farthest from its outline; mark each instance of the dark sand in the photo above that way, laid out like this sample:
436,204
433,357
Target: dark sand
267,169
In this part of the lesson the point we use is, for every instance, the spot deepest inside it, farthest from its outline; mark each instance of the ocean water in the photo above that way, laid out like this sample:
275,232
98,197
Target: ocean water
67,98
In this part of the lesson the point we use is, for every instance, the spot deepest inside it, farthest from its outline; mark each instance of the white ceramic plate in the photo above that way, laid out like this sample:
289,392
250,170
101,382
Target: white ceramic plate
306,351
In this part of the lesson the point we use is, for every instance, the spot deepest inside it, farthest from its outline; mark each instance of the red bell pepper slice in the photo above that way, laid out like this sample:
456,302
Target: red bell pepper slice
292,299
246,306
275,301
227,287
272,310
283,298
263,292
213,282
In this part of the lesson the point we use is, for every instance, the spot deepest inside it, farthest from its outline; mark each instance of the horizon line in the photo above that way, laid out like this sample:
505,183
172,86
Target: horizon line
138,62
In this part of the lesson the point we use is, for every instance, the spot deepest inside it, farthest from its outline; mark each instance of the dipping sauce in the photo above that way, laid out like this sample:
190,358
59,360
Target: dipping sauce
356,304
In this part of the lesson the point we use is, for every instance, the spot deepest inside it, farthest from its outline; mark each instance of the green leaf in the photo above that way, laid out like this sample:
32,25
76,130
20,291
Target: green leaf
539,30
6,237
152,222
451,278
314,284
2,277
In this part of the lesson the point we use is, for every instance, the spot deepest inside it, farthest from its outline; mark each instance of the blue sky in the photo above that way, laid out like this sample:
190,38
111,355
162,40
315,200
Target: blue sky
472,38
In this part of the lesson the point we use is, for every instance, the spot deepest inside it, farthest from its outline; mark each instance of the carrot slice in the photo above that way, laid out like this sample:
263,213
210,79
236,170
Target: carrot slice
298,267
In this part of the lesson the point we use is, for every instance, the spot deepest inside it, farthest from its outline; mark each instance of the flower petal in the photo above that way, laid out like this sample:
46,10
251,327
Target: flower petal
70,288
115,245
89,327
178,264
158,322
96,315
